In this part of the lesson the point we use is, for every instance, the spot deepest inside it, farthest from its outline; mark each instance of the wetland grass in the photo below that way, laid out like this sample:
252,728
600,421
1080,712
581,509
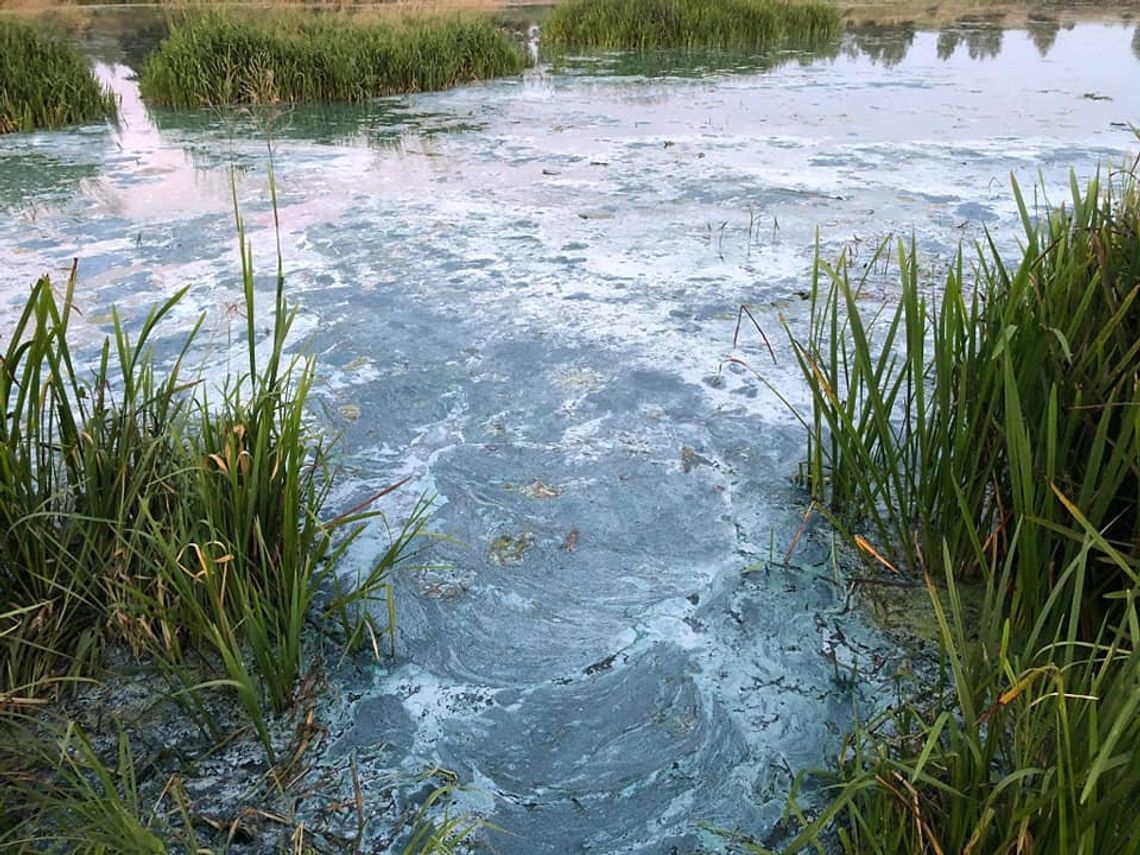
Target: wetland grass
1006,400
141,509
737,25
146,515
45,81
219,58
991,436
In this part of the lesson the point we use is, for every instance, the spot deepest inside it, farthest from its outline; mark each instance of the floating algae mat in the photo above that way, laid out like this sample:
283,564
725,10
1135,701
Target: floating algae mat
521,293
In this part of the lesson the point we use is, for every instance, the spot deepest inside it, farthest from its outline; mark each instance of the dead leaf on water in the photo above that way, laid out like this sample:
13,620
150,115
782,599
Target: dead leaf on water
690,459
539,490
444,591
507,549
571,542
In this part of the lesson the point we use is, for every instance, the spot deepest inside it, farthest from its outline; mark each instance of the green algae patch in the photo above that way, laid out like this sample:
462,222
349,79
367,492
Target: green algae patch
743,25
46,82
229,58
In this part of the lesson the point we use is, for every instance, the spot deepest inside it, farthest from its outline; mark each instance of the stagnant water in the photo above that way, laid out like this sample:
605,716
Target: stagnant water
521,294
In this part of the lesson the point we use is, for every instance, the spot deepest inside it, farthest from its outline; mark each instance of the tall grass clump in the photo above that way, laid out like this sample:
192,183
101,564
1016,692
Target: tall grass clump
145,509
219,58
990,435
1003,402
740,25
46,82
1030,744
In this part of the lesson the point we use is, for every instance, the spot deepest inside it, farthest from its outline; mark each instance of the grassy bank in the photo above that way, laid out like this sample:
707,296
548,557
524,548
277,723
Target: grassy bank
45,81
740,25
991,436
231,58
151,518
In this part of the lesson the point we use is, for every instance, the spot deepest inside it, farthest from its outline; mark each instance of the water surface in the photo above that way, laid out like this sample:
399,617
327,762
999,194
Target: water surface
521,294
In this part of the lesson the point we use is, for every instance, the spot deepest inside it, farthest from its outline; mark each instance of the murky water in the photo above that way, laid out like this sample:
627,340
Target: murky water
520,294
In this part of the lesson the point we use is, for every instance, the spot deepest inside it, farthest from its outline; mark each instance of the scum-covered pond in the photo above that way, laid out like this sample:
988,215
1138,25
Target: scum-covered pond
521,294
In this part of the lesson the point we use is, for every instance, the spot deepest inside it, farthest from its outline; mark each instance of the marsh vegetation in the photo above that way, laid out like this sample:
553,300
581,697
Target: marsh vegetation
222,58
735,25
46,81
148,510
988,435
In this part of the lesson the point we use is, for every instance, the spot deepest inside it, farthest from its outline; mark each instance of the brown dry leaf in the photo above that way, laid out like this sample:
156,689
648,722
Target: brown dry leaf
571,542
539,490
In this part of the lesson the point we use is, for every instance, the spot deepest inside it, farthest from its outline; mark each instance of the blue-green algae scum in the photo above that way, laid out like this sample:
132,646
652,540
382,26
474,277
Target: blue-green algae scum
521,294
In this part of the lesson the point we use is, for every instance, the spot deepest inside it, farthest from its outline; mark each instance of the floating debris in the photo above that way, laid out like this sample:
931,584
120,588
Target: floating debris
444,591
570,544
690,460
445,582
601,665
540,490
583,377
506,549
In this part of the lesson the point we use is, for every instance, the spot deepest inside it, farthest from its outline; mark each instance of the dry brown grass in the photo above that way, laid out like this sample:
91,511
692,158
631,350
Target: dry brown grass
919,12
70,8
1011,13
46,5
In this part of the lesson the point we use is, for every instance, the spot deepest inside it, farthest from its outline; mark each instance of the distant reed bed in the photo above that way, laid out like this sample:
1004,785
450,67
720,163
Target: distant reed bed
217,58
746,25
45,81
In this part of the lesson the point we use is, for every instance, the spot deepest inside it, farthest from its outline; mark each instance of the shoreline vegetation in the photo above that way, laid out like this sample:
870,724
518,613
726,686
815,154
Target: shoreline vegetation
734,25
46,81
148,516
240,54
222,58
989,438
234,56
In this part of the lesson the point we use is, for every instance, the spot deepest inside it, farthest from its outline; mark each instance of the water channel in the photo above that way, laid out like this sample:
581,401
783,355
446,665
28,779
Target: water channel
521,294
